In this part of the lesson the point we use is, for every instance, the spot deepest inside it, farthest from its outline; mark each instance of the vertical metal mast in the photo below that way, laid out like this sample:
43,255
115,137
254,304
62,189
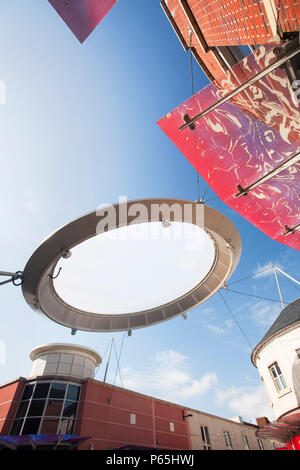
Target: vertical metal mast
278,286
106,369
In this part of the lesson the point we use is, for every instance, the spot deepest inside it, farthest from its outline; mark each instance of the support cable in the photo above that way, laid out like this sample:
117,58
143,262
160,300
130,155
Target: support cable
103,357
118,368
251,275
193,92
106,369
211,199
292,283
252,295
13,277
118,362
235,320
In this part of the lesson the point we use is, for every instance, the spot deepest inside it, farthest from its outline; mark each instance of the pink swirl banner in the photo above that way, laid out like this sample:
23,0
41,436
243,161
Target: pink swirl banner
243,140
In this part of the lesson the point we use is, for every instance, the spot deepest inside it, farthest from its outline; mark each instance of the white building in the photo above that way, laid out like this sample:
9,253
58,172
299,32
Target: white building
277,358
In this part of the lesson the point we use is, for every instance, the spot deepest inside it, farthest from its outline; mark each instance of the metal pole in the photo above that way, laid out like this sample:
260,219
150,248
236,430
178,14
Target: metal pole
283,166
278,286
243,87
6,273
289,230
287,275
106,369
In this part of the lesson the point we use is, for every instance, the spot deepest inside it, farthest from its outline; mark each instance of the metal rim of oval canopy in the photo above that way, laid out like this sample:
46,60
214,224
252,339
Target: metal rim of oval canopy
38,288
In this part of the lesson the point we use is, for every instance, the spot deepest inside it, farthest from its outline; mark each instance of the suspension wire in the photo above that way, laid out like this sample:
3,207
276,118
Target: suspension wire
118,361
191,62
251,275
211,199
292,284
205,191
193,93
13,277
118,368
237,323
103,357
252,295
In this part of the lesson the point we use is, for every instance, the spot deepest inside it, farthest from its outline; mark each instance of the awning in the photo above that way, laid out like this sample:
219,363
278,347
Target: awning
82,16
34,440
282,430
247,149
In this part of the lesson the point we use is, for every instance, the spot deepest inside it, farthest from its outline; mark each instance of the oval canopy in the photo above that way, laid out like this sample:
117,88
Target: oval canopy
220,246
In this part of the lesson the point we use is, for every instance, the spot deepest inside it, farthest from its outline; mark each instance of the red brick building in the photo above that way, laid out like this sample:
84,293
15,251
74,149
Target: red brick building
220,29
109,416
69,408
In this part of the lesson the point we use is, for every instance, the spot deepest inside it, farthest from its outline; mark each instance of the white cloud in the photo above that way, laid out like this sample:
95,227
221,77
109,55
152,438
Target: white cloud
216,330
198,387
248,402
219,329
266,270
265,313
223,395
168,377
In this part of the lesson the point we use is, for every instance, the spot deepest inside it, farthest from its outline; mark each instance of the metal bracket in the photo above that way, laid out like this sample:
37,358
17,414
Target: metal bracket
290,231
54,277
229,245
187,119
13,277
288,55
283,166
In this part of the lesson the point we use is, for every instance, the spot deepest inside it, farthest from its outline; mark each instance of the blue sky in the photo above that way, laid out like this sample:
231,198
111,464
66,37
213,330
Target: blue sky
78,130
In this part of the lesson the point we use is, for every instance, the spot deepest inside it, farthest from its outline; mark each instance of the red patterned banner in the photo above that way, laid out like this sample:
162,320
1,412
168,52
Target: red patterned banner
243,140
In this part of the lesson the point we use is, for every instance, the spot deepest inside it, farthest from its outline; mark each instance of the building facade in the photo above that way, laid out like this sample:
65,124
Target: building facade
224,33
277,358
101,416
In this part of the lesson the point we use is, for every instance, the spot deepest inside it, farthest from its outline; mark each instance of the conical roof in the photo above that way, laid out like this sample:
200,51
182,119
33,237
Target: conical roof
289,315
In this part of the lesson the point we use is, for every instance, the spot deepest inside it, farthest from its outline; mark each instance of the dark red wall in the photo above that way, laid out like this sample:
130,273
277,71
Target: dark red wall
104,415
10,395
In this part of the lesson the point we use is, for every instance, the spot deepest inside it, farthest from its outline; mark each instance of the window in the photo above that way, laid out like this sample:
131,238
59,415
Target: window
132,418
73,392
227,440
260,444
47,407
53,407
205,438
245,442
27,393
58,390
172,428
36,408
277,377
41,390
